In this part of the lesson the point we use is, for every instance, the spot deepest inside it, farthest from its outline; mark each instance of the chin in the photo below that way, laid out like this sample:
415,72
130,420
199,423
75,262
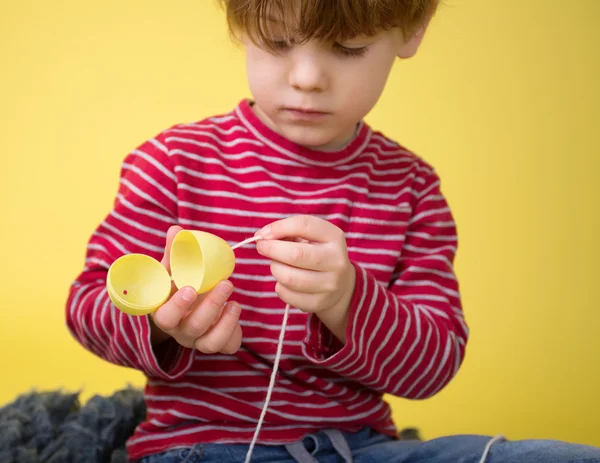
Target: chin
311,138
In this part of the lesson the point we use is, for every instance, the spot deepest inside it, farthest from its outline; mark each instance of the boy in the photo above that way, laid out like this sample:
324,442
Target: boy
357,238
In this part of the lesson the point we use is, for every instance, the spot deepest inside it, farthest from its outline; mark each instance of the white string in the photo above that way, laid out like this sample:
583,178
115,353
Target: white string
245,242
275,364
486,451
271,383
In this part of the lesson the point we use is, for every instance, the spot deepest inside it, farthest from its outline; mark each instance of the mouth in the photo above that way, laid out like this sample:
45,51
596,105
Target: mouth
305,113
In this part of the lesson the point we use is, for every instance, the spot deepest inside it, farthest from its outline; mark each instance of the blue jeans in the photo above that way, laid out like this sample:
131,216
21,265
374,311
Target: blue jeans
367,446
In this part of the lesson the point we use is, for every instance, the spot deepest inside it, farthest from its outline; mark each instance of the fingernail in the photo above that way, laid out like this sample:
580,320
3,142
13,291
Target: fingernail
225,287
265,232
235,309
188,294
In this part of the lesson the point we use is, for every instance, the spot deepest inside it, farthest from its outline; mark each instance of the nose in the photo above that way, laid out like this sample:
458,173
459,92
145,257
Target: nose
308,72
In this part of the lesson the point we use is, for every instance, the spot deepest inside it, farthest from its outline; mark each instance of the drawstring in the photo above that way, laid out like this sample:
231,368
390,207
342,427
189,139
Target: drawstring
299,453
340,444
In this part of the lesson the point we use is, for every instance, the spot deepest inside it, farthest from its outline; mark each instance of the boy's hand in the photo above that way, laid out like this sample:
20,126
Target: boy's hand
312,268
201,322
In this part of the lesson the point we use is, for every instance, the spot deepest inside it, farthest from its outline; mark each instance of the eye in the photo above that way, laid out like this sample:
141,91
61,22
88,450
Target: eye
279,44
349,51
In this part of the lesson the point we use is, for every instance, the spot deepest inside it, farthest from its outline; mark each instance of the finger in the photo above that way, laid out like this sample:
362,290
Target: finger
307,227
235,342
206,313
301,280
219,336
295,240
171,233
300,255
302,301
168,316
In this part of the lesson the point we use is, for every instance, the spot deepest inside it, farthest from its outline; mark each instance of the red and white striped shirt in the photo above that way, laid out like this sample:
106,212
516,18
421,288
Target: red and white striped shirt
231,175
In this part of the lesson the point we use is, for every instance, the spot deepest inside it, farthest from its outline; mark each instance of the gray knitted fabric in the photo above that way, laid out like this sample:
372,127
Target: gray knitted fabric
53,427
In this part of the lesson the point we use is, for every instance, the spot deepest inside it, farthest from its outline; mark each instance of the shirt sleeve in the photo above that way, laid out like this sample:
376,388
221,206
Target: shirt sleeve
144,208
407,339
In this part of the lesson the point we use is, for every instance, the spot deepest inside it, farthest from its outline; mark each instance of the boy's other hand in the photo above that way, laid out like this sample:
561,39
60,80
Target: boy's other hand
207,322
311,265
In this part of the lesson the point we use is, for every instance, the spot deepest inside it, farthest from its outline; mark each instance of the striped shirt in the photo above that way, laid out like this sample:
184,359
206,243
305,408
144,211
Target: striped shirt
231,175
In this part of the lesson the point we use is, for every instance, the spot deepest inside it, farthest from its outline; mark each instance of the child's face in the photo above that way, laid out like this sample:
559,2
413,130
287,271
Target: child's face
315,93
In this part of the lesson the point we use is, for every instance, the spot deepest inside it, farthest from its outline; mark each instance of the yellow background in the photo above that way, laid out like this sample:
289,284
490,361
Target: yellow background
502,99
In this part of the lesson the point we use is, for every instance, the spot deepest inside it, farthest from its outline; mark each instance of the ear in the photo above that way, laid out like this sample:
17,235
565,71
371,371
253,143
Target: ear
411,44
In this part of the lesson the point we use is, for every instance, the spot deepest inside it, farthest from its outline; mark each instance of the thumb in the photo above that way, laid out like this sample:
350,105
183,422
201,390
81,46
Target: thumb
167,255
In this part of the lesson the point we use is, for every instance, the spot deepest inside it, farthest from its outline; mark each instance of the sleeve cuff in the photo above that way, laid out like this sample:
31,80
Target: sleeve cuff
168,360
321,346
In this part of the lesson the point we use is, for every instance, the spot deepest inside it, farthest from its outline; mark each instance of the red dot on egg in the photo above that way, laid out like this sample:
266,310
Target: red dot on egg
125,292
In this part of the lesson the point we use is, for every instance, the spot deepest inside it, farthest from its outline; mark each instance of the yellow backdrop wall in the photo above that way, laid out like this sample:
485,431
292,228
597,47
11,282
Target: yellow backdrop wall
502,99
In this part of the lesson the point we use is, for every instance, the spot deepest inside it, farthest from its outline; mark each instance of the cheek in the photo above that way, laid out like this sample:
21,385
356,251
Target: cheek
365,93
368,81
262,76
